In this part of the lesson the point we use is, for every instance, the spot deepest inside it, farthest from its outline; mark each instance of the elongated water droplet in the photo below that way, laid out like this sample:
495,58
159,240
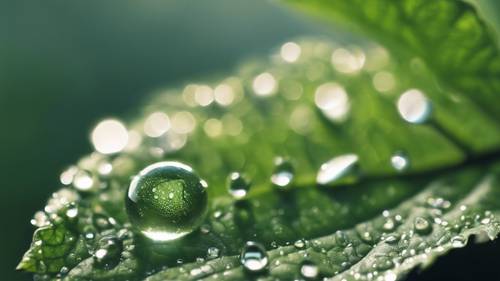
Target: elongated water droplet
283,173
238,186
167,200
414,107
458,241
108,251
309,270
422,226
339,168
400,161
254,257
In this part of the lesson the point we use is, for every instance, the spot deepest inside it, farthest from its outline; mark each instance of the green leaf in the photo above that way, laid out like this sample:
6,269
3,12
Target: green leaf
376,220
448,35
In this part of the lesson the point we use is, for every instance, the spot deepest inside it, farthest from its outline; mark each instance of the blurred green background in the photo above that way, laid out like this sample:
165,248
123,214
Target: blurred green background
66,64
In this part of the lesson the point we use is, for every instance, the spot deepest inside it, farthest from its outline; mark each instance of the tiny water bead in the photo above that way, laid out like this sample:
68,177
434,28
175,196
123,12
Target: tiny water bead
238,185
422,226
254,257
167,200
309,270
414,107
400,161
337,168
283,174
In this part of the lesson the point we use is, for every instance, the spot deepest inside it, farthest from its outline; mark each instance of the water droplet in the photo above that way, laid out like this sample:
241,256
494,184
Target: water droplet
438,203
422,226
105,168
458,241
83,180
72,212
290,52
389,225
254,257
108,251
40,219
68,175
392,239
213,252
264,84
400,161
238,186
109,136
299,244
337,168
332,100
154,213
309,270
283,173
383,81
347,61
414,106
156,124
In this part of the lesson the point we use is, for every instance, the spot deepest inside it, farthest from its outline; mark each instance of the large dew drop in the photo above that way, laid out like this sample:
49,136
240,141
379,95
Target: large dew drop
337,168
254,257
414,106
167,200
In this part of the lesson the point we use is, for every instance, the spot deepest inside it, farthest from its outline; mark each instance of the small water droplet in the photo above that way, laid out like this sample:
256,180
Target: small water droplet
238,186
391,239
422,226
299,244
212,253
333,101
109,136
290,52
337,169
414,107
265,84
68,175
309,270
438,203
254,257
166,217
458,241
283,173
108,251
83,180
72,212
400,161
40,219
389,225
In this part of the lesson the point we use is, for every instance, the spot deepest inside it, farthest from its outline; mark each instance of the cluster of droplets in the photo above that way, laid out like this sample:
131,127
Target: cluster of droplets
167,132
